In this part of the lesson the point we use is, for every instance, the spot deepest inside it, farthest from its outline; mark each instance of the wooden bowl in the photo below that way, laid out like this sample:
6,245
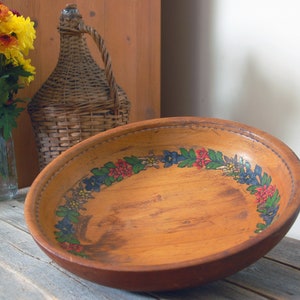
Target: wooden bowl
165,204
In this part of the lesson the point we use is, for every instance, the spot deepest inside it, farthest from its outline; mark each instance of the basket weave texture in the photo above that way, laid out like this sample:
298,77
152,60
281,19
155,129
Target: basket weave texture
79,99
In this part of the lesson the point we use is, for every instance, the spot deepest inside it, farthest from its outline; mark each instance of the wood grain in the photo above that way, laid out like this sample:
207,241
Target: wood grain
131,30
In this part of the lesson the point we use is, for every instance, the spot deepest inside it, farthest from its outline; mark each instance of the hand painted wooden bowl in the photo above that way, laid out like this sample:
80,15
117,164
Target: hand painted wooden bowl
165,204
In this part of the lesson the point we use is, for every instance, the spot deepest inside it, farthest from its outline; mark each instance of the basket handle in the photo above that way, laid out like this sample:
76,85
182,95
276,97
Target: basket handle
71,23
107,62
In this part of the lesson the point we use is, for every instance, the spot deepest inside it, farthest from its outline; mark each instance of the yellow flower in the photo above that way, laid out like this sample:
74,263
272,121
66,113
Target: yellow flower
24,31
16,39
18,28
28,68
17,35
19,60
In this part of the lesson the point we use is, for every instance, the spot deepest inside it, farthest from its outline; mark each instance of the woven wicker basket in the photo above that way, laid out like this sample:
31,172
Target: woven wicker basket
79,99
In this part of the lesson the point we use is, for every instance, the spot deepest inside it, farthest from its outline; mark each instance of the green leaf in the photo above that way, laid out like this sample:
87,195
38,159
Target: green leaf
266,180
252,189
216,157
262,210
138,168
8,116
81,254
273,201
135,163
212,155
69,238
73,240
58,234
219,156
190,158
213,165
186,163
62,211
109,181
260,227
61,239
133,160
100,172
73,216
110,165
192,154
184,152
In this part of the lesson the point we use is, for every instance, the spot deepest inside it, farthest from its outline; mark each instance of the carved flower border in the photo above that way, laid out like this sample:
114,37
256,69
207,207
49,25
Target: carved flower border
259,184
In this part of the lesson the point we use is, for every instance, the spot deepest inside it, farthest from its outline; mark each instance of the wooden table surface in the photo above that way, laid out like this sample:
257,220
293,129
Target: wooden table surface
27,273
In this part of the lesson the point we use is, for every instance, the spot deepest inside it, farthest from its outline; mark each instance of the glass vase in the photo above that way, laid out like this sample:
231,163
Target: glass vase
8,170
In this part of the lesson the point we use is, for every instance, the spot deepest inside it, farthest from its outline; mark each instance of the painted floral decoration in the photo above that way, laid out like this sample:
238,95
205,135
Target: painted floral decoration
17,35
259,184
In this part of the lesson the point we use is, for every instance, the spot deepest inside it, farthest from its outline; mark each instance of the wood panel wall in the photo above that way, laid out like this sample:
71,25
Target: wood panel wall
131,29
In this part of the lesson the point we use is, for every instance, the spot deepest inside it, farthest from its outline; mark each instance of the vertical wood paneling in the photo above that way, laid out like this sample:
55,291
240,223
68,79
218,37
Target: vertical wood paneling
131,29
132,33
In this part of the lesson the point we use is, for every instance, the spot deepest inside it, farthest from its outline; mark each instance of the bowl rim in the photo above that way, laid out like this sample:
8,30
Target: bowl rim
279,147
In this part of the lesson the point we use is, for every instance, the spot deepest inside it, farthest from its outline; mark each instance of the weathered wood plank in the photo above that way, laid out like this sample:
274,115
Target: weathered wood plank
286,252
271,279
24,265
12,212
217,290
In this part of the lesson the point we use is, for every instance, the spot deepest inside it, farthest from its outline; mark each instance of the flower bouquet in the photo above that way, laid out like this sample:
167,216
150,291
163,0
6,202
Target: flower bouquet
16,39
17,35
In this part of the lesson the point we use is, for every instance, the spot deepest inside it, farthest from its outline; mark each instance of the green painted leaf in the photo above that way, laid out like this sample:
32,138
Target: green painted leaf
212,155
73,240
213,165
61,239
109,181
186,163
73,216
273,201
110,165
262,210
252,189
133,160
182,164
58,234
138,168
100,172
216,157
81,254
260,227
266,180
219,156
192,154
62,211
184,152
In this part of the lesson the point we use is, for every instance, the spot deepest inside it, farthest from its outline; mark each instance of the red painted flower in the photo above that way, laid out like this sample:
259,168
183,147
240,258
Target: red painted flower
72,247
202,158
264,192
122,169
